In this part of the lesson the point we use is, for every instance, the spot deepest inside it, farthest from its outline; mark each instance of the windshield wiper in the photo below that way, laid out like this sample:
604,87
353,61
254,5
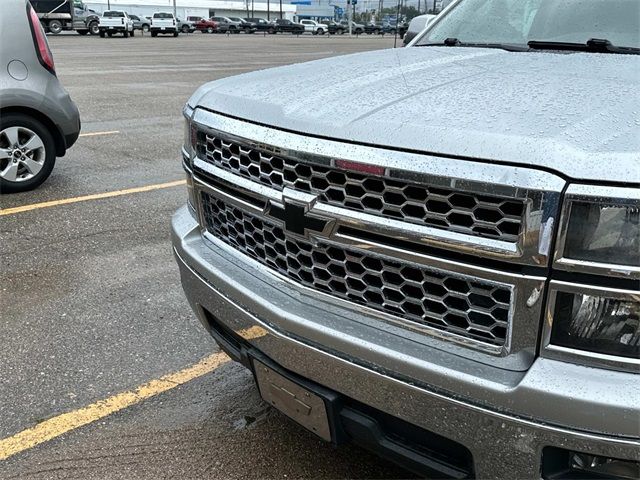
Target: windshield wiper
598,45
454,42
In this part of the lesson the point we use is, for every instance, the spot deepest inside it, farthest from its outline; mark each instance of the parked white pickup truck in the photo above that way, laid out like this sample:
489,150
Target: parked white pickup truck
314,27
116,21
164,22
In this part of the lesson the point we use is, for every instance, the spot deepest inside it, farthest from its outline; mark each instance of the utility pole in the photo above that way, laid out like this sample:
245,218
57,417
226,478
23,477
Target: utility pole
349,16
268,11
418,7
175,11
280,9
434,7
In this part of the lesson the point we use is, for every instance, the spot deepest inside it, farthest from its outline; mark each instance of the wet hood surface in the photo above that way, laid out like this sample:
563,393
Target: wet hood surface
577,114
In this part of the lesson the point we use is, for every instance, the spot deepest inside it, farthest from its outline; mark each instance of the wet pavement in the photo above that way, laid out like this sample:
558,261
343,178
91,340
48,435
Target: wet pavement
91,300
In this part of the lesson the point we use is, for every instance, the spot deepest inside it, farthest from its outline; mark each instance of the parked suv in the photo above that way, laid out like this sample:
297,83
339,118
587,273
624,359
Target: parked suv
447,273
164,23
38,119
140,23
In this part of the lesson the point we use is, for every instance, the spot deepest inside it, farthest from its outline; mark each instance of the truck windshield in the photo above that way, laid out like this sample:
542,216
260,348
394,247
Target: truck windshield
544,23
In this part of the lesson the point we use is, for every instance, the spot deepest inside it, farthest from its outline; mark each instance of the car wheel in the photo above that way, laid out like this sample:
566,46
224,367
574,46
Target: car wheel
27,153
321,31
55,26
272,31
133,32
210,30
125,34
103,34
340,31
145,28
94,28
175,34
185,29
154,34
110,34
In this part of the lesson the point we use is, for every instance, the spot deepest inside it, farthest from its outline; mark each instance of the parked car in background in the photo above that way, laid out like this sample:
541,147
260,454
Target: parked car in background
245,26
225,24
38,119
140,23
374,28
282,25
311,26
185,26
442,263
115,21
163,23
336,28
356,28
260,24
86,21
59,15
416,25
204,25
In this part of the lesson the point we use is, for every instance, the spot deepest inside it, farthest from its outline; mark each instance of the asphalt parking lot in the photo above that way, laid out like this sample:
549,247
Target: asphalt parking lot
92,307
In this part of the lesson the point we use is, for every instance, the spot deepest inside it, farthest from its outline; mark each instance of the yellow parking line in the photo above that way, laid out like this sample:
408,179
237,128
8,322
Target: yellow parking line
95,196
95,134
56,426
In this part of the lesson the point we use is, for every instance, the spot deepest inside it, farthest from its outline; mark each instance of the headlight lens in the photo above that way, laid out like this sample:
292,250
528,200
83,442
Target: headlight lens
603,233
599,324
186,142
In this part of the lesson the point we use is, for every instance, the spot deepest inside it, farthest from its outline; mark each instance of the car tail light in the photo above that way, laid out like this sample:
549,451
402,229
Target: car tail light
40,40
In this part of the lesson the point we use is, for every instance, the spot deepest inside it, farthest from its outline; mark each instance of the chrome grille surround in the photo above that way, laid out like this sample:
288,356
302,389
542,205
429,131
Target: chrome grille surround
482,215
458,304
396,241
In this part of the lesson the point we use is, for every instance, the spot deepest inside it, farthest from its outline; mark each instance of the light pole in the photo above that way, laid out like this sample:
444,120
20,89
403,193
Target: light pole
175,10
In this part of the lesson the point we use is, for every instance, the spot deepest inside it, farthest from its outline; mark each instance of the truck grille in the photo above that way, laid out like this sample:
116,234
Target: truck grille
469,213
419,295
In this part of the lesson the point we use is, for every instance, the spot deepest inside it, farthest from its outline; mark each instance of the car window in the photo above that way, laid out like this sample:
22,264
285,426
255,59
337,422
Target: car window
163,15
111,14
521,21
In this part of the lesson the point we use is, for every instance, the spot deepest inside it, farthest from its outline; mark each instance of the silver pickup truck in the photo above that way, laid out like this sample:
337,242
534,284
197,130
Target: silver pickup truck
440,263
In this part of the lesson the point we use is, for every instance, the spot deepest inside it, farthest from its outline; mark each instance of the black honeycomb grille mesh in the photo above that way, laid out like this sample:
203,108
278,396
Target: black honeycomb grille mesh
427,297
479,215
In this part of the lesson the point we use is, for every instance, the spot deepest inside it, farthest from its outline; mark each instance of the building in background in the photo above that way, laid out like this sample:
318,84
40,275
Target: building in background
200,8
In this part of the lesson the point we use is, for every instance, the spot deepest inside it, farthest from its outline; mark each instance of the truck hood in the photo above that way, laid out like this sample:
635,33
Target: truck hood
577,113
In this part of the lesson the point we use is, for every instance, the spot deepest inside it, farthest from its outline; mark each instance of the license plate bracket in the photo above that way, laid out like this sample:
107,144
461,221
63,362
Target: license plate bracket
296,401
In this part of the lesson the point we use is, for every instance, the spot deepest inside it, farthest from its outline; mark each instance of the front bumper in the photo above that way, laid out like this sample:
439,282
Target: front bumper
504,418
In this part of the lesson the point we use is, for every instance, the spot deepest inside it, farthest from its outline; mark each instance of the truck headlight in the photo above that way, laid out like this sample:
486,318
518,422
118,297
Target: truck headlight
600,231
607,323
593,314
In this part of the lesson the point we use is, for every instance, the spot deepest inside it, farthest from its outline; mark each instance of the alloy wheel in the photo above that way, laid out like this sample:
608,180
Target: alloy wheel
22,154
